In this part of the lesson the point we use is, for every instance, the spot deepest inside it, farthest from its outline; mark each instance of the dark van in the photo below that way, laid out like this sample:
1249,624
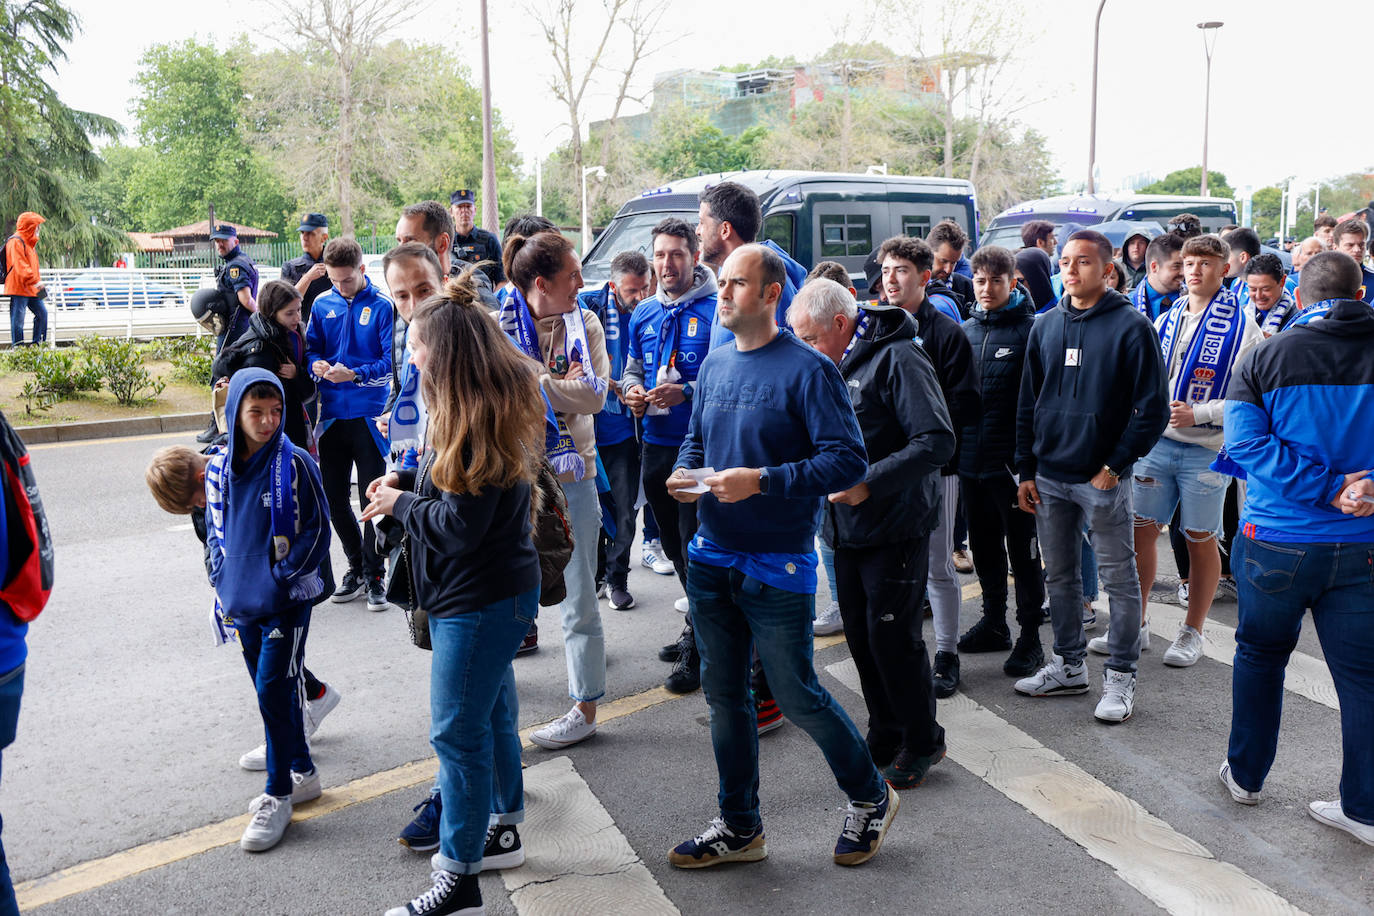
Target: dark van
814,216
1088,210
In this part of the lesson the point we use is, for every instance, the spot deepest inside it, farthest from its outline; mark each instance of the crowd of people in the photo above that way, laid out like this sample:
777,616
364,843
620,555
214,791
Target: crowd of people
1050,411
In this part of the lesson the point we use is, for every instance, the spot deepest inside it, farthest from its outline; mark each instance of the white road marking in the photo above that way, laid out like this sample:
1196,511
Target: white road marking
1306,675
1176,872
184,527
576,859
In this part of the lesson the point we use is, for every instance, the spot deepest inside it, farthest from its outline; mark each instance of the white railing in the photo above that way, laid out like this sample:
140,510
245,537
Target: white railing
117,302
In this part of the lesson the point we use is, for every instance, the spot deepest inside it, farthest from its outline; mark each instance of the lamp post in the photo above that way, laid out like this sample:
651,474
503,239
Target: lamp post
1209,31
1092,121
489,209
599,172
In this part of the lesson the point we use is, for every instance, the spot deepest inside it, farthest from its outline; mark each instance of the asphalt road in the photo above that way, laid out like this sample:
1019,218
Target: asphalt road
120,792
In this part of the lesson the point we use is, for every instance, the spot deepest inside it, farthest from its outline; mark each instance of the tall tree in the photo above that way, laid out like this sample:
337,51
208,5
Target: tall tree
44,143
1188,181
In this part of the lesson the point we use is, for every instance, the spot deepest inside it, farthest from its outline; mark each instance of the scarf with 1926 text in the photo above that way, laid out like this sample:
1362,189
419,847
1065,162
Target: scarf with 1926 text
1206,366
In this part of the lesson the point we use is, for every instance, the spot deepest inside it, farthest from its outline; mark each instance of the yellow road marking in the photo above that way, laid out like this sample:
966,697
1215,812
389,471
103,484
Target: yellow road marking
146,437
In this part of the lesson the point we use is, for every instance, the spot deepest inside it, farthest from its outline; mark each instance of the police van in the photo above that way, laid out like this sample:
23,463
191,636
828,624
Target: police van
813,216
1089,210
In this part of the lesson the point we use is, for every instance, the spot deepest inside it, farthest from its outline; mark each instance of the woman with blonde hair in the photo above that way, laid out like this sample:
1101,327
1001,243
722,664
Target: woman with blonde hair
466,514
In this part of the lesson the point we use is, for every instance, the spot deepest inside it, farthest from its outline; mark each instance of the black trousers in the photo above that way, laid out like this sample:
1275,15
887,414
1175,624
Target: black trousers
881,592
347,444
621,462
999,532
658,461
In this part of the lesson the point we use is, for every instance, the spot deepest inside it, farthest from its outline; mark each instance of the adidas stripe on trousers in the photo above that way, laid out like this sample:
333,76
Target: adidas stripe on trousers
273,649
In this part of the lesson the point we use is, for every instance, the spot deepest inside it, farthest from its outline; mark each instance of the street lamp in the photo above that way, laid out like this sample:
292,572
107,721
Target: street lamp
599,172
1092,122
1209,30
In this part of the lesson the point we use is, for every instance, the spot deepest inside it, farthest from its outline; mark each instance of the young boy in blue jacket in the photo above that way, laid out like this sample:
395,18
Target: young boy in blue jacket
268,533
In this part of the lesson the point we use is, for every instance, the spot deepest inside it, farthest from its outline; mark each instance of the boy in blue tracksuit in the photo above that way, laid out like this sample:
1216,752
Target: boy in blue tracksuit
1297,423
348,349
268,534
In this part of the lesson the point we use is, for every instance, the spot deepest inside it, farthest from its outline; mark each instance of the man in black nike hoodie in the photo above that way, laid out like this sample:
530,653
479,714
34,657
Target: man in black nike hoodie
1093,400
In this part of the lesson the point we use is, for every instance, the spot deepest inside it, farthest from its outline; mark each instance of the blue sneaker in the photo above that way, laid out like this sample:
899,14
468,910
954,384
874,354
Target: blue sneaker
864,829
422,834
719,844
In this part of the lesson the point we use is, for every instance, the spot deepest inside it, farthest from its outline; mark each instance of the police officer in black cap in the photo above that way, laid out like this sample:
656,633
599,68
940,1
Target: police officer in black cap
237,281
471,244
307,271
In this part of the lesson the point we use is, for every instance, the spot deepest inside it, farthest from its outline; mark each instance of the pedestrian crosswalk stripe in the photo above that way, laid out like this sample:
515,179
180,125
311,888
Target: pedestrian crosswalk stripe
576,860
1174,871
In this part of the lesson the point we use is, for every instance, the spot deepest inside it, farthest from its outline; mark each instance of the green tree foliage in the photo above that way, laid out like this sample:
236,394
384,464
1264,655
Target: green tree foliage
44,144
1265,205
690,144
1189,181
1340,196
105,197
190,117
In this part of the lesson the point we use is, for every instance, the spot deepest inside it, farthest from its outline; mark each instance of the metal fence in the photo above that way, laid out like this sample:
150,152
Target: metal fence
263,253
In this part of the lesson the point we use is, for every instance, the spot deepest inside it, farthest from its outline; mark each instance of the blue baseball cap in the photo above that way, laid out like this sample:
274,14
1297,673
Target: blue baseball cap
224,231
312,221
462,196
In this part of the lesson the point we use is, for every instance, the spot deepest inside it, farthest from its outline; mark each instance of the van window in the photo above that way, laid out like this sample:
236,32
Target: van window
632,232
916,227
846,235
781,229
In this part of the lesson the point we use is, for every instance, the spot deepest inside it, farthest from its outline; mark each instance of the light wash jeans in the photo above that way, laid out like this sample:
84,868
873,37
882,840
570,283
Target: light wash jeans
942,581
584,642
1063,511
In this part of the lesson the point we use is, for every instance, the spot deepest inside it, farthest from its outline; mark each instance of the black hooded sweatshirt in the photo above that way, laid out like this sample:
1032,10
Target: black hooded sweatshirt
906,430
1094,391
1036,267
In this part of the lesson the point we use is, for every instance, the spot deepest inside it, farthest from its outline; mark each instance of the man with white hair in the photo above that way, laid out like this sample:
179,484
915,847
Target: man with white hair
880,528
1306,248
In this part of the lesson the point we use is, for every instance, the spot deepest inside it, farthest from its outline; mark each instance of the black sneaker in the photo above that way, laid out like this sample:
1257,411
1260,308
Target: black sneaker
452,894
1027,657
719,844
864,829
907,770
531,641
946,674
673,651
422,834
686,674
376,594
621,599
209,434
503,849
987,635
353,585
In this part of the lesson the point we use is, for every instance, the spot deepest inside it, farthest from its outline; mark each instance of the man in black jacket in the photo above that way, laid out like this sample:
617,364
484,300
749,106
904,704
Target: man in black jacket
880,528
1093,400
906,265
998,331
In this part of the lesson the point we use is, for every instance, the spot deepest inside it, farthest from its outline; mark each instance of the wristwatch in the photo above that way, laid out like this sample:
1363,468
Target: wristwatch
687,391
1114,475
763,481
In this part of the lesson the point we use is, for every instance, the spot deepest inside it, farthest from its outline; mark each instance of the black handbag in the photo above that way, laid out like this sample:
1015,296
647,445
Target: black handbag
400,585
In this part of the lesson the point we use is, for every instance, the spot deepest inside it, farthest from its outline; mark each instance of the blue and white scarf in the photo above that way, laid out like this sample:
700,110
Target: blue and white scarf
859,328
1271,322
286,523
615,349
1206,367
1140,298
409,418
515,319
1314,312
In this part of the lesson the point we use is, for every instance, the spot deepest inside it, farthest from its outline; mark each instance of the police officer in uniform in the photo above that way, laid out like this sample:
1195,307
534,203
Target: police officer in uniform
307,271
473,245
237,281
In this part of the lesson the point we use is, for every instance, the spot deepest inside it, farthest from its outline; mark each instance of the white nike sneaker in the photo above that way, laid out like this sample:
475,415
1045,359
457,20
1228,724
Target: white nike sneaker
1118,696
1055,679
1099,645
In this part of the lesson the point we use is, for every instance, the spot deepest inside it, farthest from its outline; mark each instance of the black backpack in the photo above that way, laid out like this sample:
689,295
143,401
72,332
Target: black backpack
5,257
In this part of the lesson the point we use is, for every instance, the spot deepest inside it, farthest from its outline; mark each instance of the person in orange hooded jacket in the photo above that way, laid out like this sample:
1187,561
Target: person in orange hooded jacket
23,284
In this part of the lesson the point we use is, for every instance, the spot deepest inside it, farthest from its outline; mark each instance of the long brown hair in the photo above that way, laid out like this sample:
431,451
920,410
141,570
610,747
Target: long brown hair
486,413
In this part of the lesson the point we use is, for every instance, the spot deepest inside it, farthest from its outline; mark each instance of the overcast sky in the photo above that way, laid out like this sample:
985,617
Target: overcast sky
1150,112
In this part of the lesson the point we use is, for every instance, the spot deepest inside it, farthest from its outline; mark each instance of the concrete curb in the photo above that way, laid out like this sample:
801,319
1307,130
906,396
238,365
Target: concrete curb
106,429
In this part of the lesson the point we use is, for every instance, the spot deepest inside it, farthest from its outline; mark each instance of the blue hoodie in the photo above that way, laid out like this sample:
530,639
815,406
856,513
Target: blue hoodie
249,583
796,276
356,333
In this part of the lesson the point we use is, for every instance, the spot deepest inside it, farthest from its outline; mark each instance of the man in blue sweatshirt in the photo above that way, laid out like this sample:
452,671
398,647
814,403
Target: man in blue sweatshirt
772,434
1093,400
348,349
1297,422
267,535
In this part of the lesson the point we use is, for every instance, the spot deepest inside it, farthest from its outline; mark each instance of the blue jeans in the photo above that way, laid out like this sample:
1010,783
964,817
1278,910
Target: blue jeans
584,641
11,689
474,725
276,665
1064,510
1088,570
1277,583
828,561
20,304
731,610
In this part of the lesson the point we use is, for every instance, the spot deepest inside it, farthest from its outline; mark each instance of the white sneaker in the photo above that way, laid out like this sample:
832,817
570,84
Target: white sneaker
255,760
1055,679
664,566
681,605
1243,796
566,731
1183,593
654,559
829,620
1118,696
1098,644
268,823
1187,648
305,787
1089,615
1331,814
316,710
